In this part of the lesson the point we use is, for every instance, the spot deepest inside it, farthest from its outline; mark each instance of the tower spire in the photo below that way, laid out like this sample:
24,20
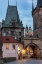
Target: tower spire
16,3
8,2
32,5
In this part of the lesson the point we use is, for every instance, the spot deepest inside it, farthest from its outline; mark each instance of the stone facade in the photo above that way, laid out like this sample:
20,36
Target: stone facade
37,22
17,33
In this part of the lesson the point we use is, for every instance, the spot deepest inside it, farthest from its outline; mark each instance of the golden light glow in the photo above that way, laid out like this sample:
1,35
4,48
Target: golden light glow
23,51
18,52
27,48
30,51
18,48
7,46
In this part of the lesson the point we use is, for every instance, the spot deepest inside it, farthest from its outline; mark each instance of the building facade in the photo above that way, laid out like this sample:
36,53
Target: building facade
10,48
12,26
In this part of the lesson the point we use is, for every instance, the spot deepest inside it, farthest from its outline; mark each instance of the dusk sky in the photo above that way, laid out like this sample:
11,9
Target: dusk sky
24,10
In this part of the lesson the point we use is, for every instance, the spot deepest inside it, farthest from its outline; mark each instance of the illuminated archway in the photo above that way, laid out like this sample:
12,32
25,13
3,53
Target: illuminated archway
33,50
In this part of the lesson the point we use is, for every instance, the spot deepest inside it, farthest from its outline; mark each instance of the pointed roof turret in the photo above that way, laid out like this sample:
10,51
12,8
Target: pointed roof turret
16,3
8,2
32,6
11,15
26,26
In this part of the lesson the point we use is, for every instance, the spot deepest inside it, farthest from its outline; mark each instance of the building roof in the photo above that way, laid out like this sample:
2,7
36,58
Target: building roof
39,3
30,30
8,39
10,14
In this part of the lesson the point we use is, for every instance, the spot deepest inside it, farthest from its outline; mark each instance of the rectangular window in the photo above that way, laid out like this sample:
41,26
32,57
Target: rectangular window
13,47
35,26
12,33
7,46
37,36
19,33
20,39
7,39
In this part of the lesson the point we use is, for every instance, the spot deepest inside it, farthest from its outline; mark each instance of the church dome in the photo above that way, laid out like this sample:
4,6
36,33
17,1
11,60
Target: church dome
39,3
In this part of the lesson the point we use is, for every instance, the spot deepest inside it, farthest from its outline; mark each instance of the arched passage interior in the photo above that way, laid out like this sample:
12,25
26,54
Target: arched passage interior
33,50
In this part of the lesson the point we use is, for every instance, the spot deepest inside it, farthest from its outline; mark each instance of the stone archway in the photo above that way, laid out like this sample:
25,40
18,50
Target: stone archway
33,50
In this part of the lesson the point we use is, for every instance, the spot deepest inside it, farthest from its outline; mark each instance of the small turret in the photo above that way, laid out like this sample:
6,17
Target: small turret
26,31
16,3
8,2
32,6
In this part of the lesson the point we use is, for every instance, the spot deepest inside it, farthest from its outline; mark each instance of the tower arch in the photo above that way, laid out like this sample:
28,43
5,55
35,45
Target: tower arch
33,50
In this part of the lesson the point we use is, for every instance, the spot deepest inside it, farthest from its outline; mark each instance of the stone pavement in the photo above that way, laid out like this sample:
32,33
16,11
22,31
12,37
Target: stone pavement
29,61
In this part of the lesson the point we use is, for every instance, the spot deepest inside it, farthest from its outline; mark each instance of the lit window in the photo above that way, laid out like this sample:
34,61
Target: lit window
13,47
7,46
18,48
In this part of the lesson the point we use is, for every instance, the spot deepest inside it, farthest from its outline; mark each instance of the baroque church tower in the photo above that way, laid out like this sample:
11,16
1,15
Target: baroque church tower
37,20
26,31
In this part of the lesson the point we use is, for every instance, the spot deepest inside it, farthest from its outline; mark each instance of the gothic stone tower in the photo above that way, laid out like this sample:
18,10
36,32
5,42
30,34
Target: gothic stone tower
12,26
37,19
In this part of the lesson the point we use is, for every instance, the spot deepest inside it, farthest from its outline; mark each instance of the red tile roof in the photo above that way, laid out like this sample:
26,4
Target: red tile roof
8,39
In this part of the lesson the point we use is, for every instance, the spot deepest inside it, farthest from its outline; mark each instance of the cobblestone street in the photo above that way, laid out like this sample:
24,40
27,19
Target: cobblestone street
29,61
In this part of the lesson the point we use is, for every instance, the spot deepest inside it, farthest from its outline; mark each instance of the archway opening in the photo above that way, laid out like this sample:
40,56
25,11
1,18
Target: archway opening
33,51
